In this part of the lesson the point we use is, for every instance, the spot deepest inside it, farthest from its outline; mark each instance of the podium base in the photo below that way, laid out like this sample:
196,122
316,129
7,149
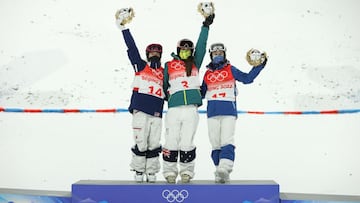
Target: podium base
88,191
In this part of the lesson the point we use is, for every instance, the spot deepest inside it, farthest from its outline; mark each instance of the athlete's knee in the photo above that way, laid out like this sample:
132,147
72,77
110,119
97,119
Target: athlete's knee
187,156
137,152
228,152
215,156
153,153
170,155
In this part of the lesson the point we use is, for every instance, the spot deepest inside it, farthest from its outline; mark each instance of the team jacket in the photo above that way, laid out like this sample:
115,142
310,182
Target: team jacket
148,95
219,88
180,89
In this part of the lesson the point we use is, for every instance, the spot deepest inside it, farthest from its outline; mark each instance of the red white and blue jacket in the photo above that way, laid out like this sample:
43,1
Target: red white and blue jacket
219,87
148,95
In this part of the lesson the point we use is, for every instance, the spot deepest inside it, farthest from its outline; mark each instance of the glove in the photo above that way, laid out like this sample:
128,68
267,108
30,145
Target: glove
209,20
254,57
124,16
119,25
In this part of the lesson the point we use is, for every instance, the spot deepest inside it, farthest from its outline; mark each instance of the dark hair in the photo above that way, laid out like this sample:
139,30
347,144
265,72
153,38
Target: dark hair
188,65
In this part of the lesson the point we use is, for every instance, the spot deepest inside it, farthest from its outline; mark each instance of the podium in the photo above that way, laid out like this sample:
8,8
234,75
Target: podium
102,191
98,191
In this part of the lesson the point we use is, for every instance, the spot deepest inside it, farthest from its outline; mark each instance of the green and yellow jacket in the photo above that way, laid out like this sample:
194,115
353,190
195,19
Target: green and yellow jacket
179,88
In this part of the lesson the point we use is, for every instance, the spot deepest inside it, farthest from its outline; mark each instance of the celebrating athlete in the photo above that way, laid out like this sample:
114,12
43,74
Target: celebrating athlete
182,85
146,105
219,88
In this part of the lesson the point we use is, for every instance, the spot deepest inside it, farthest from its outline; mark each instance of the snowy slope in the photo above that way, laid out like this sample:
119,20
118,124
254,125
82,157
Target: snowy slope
70,54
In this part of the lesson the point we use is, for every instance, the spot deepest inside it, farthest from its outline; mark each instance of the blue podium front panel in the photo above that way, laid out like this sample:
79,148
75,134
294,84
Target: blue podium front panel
33,196
195,192
317,198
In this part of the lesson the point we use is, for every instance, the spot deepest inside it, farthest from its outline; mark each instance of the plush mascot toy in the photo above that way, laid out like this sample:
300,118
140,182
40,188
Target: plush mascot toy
206,8
255,57
124,15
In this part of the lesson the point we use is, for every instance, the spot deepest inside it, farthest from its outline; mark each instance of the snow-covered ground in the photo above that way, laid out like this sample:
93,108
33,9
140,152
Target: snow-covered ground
69,54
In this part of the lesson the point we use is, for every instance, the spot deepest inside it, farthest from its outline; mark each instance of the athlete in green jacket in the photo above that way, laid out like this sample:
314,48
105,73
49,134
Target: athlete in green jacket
182,88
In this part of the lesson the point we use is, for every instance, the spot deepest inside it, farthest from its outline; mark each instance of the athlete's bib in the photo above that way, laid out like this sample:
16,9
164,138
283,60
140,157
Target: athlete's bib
177,77
149,81
220,84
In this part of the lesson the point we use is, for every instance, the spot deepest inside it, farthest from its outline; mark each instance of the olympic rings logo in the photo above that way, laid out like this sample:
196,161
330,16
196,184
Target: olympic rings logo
177,65
175,195
158,74
217,76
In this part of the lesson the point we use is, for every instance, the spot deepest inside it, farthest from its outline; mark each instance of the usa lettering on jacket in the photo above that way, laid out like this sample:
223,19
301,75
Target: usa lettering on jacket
149,81
221,84
177,77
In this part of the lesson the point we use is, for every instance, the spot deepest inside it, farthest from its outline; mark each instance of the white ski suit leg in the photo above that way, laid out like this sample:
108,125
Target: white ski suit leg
181,124
221,130
154,148
146,134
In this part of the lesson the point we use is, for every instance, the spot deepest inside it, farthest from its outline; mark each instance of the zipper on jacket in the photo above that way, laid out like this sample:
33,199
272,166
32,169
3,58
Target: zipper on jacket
185,99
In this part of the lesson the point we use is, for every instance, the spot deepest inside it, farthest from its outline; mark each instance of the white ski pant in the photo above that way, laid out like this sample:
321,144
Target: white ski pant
221,131
147,133
181,123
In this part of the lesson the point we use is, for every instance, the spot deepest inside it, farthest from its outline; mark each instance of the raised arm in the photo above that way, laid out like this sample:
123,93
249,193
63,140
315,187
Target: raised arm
200,48
124,16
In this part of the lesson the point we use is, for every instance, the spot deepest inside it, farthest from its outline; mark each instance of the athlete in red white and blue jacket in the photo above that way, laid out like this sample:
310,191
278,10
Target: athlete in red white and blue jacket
219,88
146,106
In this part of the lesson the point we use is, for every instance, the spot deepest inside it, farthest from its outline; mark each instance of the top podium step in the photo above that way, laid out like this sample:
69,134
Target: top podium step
237,191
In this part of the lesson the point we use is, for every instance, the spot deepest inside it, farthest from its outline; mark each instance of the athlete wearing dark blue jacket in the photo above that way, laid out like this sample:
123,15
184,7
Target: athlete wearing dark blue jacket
146,104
